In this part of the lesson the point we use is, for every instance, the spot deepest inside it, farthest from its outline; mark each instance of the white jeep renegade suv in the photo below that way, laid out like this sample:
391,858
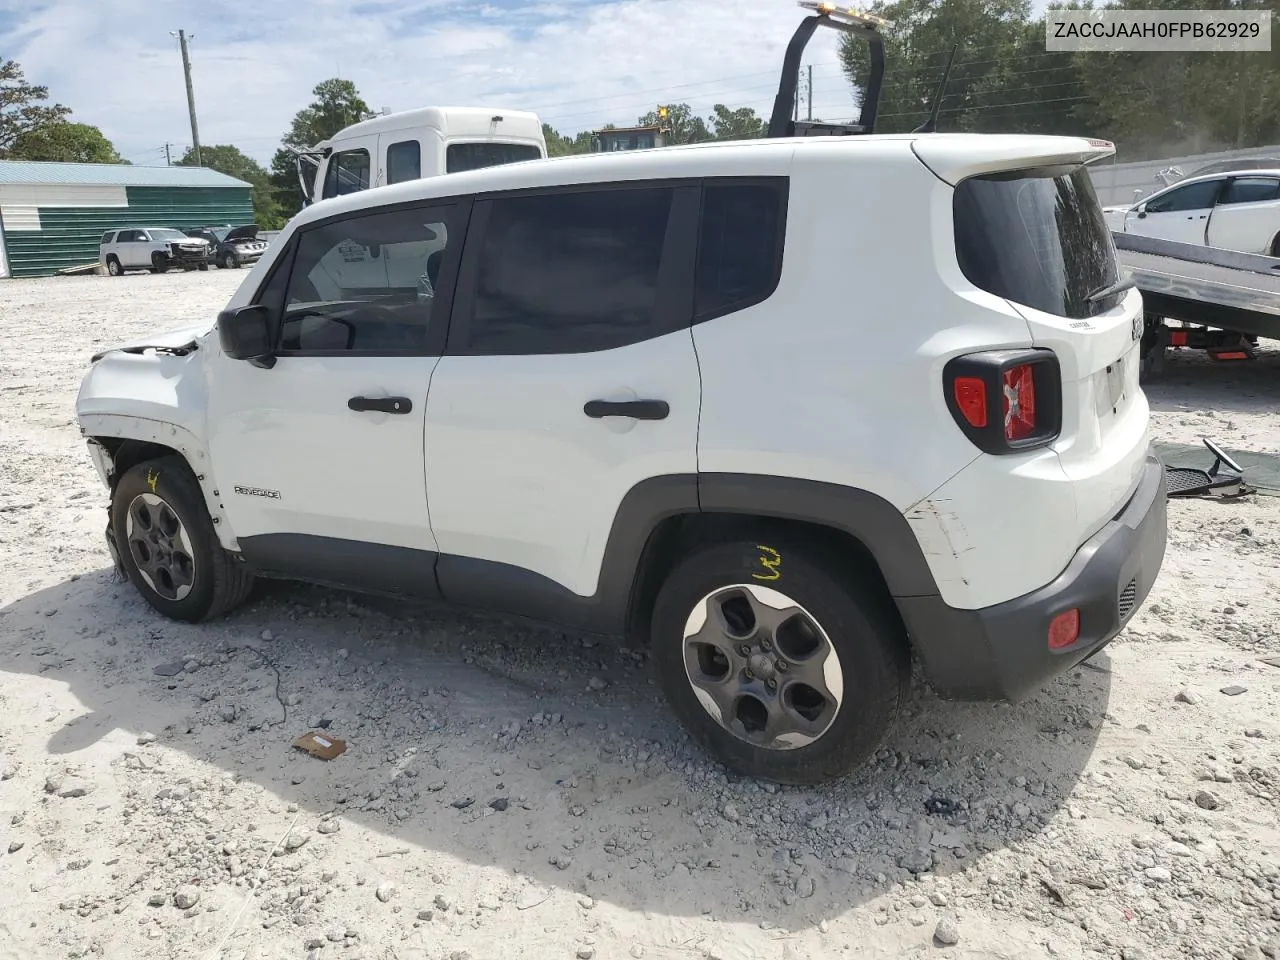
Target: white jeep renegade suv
791,411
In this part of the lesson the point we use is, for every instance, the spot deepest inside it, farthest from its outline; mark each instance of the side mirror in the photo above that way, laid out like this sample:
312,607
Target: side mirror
245,334
1142,210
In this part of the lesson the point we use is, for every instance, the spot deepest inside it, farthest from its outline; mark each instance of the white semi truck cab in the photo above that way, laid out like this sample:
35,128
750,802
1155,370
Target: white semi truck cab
411,144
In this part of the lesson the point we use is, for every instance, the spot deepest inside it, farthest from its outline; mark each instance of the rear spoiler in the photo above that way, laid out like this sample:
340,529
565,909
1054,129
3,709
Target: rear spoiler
955,158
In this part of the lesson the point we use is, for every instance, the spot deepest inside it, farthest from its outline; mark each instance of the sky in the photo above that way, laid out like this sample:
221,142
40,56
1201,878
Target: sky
579,63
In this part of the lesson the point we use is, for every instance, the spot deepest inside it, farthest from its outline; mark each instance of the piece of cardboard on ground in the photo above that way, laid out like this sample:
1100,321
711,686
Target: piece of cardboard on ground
320,745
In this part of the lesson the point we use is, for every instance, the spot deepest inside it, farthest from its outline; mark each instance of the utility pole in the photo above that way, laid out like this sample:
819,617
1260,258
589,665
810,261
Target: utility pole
168,160
191,97
809,91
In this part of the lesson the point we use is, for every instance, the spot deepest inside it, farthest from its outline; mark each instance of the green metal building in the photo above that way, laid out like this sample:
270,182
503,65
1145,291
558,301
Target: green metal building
52,215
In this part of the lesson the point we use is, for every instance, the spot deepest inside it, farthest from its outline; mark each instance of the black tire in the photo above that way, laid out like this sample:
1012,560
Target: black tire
1275,245
863,629
204,266
114,267
229,261
159,263
219,582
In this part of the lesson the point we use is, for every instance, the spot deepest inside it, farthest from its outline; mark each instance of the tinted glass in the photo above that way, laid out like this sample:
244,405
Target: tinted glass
739,246
1250,190
1036,240
1194,196
404,161
570,272
348,172
129,236
473,156
106,237
366,283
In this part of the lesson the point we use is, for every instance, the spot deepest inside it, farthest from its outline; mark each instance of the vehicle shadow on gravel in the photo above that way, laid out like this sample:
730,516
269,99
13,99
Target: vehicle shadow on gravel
577,776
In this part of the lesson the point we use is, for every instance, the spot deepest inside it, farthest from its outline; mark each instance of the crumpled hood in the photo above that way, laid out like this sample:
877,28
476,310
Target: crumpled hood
171,338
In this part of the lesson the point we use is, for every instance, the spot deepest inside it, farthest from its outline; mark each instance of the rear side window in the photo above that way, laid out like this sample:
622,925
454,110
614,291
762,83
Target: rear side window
348,172
107,237
473,156
569,273
1250,190
739,245
1036,238
404,161
1194,196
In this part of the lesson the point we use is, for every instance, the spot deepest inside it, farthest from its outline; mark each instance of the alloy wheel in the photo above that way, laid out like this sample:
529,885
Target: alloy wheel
160,546
762,666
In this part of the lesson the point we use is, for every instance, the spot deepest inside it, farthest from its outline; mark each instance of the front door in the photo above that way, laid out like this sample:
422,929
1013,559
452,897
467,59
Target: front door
570,378
1180,214
319,457
132,249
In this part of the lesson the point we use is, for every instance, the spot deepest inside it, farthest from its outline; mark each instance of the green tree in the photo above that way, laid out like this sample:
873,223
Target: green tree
337,105
65,142
234,163
23,107
559,145
683,124
740,124
991,63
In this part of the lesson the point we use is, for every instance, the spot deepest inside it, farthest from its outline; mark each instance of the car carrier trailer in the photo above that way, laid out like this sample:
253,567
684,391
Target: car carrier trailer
1201,298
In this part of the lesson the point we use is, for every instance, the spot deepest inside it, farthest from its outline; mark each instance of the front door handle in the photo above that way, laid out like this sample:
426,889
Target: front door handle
380,404
635,409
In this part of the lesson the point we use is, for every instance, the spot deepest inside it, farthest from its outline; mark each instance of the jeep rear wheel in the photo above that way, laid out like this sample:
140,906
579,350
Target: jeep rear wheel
168,546
114,268
777,662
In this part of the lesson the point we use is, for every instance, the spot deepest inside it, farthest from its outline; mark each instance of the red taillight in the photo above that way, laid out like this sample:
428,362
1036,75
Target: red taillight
1064,629
971,398
1019,402
1178,338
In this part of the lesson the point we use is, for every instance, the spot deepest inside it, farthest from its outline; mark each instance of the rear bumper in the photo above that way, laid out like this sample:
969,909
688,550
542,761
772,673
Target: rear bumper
1001,652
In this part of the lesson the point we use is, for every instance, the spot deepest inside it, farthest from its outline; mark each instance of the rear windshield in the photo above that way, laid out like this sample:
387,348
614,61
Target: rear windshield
1036,238
473,156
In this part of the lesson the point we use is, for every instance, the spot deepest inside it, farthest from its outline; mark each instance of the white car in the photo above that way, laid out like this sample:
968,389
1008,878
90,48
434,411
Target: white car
151,248
786,432
1230,211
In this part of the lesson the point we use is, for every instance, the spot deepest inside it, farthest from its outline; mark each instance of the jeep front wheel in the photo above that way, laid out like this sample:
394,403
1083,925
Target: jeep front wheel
168,546
778,662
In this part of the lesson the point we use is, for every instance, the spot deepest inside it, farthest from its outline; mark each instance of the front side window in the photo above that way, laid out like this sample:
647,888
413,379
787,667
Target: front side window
569,273
1036,238
1194,196
404,161
474,156
367,284
131,236
1250,190
348,172
739,245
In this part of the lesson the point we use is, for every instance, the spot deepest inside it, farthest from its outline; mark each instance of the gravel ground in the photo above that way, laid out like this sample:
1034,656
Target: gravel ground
518,791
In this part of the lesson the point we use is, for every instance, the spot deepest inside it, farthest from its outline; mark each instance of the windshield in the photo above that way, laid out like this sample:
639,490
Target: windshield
473,156
167,234
219,232
1036,238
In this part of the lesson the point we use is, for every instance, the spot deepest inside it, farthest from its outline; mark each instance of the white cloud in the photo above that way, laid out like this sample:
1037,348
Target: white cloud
580,64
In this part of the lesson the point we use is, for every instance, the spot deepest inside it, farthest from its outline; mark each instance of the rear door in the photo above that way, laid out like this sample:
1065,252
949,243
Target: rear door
1247,215
569,378
1180,214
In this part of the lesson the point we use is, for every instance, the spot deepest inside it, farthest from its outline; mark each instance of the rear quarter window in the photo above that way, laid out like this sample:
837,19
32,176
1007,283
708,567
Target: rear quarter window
1036,238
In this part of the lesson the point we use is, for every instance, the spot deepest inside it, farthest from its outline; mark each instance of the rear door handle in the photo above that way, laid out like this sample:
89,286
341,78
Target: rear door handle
635,409
380,404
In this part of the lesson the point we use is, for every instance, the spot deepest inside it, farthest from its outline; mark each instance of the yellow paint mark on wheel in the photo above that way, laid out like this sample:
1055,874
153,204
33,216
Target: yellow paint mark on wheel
771,561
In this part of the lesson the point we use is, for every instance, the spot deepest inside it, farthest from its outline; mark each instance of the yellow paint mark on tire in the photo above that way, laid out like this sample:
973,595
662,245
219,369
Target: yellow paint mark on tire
771,561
